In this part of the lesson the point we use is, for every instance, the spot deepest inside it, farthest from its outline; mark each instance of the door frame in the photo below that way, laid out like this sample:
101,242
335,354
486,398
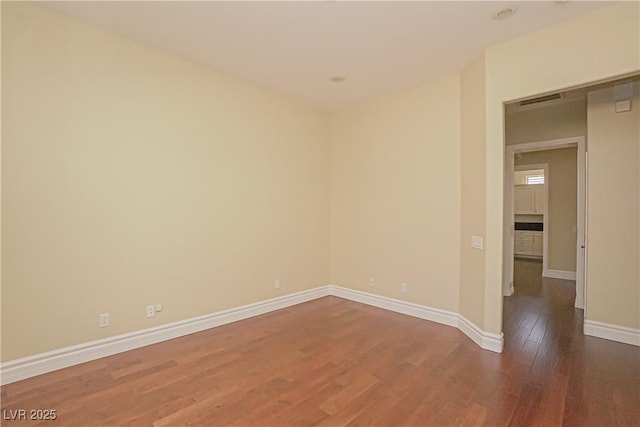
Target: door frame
507,265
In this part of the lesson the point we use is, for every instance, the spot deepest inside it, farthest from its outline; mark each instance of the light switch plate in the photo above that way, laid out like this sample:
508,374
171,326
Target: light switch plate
477,242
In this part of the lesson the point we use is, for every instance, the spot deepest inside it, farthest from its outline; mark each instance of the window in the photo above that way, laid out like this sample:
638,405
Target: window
528,176
535,179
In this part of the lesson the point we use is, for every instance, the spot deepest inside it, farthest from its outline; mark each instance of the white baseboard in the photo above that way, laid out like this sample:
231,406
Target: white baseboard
612,332
423,312
26,367
507,289
486,340
19,369
559,274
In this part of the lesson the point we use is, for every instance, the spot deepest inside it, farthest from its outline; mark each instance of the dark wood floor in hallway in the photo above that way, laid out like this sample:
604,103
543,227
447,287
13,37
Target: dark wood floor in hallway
565,377
332,362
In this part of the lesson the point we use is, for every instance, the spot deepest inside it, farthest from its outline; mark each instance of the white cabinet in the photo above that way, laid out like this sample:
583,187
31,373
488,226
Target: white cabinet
537,243
529,199
523,199
528,243
539,196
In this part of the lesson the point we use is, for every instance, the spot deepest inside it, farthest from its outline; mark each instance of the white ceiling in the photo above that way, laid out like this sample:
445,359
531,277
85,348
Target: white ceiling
295,47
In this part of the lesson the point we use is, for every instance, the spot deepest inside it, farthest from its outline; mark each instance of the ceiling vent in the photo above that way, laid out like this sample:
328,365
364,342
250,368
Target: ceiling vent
540,99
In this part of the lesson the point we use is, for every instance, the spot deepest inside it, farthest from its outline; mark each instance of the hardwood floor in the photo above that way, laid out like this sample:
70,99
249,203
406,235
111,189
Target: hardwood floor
332,362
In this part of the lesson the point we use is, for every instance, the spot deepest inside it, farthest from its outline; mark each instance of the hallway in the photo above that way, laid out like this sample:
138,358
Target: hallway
562,375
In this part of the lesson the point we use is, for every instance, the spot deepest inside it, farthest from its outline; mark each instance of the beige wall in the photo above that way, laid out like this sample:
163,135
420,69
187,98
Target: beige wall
132,177
562,188
395,195
589,48
472,168
613,210
563,120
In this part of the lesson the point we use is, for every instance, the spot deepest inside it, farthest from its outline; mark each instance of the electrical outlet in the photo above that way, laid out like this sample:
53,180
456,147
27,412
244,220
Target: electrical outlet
151,311
103,320
277,285
403,288
372,281
158,307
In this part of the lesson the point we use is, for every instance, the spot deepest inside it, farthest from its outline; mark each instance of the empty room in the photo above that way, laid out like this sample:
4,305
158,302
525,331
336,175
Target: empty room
320,213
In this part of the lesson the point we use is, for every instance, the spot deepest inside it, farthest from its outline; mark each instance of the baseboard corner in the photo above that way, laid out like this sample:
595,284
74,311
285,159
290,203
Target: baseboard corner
508,290
486,340
437,315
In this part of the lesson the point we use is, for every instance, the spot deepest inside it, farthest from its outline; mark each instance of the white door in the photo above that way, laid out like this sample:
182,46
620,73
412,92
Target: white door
581,249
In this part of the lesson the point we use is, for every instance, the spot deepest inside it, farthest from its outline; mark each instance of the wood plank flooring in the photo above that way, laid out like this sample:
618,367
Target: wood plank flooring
332,362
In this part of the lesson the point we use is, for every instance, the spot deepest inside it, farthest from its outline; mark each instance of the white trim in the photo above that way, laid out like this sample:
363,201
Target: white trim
581,238
508,224
550,144
19,369
423,312
612,332
510,289
559,274
486,340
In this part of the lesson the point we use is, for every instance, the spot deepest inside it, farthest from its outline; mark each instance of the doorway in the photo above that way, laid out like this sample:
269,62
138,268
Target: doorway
512,215
609,121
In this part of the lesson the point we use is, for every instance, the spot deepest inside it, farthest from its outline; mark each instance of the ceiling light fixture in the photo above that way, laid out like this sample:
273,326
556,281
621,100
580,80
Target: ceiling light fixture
337,79
505,13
